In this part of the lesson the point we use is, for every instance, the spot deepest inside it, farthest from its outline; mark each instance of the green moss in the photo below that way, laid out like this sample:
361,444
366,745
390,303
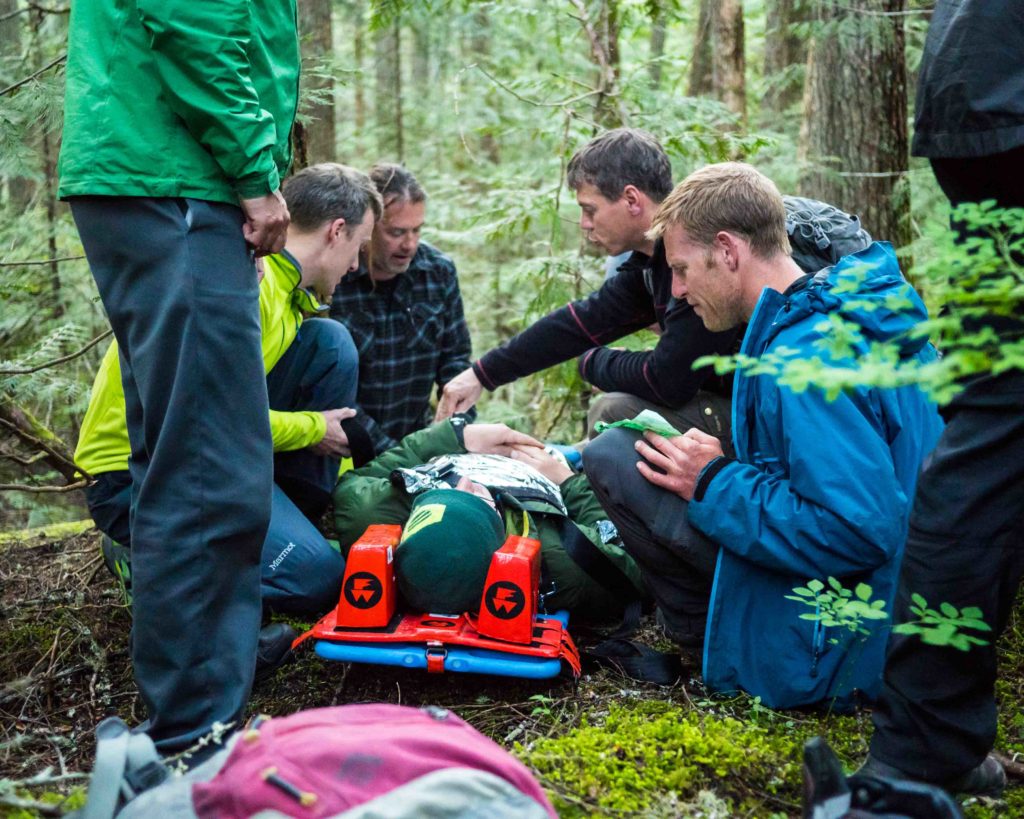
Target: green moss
66,802
653,756
1011,806
53,531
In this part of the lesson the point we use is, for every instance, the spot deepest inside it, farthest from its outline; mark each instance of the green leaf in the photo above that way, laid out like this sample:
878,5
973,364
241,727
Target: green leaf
919,601
835,584
863,591
815,585
971,612
803,592
949,610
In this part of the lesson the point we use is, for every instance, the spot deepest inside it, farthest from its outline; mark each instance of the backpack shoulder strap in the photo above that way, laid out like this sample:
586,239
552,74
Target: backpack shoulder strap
126,764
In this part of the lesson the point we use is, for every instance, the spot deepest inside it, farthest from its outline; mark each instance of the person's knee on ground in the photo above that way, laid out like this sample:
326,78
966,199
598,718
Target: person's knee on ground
301,571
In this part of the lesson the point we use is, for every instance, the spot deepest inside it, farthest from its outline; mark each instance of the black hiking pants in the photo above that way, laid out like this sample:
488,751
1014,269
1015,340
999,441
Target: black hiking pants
677,561
936,718
181,294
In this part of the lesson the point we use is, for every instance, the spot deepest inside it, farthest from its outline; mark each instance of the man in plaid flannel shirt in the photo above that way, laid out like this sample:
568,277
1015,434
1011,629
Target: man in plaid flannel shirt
404,310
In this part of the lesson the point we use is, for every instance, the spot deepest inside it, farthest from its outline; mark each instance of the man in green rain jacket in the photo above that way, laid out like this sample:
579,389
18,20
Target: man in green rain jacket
176,125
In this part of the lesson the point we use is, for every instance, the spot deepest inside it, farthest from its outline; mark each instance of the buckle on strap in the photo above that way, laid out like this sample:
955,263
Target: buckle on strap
436,653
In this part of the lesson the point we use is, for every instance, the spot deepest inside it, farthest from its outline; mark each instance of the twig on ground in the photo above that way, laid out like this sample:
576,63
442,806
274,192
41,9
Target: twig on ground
1014,769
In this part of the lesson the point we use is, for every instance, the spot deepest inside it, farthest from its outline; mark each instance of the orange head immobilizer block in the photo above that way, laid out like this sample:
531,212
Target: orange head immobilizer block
509,602
368,595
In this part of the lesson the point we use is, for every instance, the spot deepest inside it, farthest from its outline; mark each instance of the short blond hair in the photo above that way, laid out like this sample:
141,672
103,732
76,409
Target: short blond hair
730,196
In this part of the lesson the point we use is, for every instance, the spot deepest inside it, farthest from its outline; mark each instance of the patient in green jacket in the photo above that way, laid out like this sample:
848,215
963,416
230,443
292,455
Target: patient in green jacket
519,489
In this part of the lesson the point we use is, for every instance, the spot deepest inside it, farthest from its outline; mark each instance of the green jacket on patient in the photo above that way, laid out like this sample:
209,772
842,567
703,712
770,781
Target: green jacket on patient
376,493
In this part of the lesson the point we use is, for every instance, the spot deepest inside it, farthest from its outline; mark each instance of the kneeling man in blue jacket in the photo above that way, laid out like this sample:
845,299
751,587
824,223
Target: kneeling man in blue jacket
817,489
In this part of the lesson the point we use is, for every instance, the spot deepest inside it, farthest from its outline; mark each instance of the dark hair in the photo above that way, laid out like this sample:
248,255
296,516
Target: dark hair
328,191
624,156
395,182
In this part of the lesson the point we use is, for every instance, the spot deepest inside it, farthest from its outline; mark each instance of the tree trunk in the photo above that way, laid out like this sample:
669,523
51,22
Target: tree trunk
49,175
358,48
421,80
782,51
701,73
19,189
479,48
390,139
603,35
316,31
729,61
657,50
853,140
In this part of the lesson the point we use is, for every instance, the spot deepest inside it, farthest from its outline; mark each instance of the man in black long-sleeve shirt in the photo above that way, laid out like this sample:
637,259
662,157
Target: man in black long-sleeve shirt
620,179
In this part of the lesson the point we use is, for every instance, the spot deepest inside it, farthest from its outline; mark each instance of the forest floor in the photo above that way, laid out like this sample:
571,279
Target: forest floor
607,746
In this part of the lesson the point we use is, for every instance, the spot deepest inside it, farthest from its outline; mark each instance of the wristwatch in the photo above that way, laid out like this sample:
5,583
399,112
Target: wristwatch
459,422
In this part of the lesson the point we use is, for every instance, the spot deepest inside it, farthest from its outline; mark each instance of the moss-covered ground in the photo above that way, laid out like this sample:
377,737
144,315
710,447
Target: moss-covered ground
607,746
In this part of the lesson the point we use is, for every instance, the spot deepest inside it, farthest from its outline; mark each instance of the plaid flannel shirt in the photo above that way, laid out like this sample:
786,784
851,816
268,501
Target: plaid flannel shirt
411,334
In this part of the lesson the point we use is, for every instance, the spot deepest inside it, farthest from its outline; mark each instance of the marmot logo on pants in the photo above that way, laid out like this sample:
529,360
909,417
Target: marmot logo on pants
280,558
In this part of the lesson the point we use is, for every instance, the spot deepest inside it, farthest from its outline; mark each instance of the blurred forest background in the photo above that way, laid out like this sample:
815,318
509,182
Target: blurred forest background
485,102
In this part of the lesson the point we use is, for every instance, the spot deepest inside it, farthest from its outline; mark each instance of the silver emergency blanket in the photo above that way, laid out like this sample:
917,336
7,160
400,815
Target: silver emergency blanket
496,472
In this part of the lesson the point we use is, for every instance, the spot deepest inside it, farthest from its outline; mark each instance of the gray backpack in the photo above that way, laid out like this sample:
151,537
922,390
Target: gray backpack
821,234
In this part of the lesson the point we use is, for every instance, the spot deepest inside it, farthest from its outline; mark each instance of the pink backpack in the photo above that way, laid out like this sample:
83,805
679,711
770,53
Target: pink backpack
352,761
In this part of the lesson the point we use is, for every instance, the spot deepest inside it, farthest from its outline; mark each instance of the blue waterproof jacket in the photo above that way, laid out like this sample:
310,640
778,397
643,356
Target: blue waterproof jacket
817,489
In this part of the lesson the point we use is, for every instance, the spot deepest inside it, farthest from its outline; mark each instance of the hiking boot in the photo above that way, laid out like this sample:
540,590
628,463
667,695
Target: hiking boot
118,561
274,649
688,635
986,779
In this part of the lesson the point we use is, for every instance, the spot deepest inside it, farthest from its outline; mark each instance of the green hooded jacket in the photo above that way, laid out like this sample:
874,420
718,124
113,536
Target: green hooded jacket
366,496
181,98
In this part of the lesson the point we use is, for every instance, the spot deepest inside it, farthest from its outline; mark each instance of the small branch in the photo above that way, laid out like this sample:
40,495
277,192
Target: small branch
1013,768
71,487
13,456
33,262
536,103
28,79
61,360
31,432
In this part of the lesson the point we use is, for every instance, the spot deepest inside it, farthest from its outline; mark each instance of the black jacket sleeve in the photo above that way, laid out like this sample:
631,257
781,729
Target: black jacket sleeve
622,306
664,375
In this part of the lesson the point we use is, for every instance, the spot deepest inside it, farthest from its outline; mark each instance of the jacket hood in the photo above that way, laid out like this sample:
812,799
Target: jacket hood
865,288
